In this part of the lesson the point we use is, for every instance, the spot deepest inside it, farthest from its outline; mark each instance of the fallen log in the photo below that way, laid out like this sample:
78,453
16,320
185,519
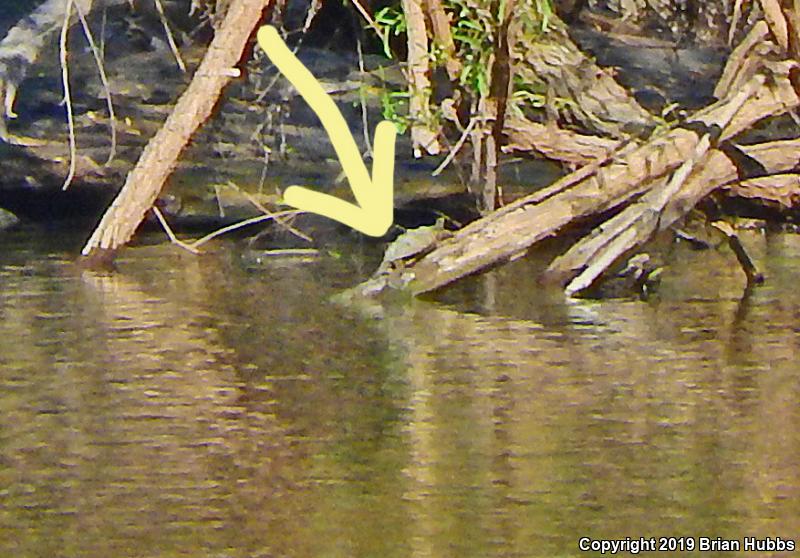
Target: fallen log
636,224
783,189
556,143
509,232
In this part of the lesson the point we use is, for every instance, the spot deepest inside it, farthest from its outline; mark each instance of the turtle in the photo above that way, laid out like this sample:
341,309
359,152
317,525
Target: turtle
412,244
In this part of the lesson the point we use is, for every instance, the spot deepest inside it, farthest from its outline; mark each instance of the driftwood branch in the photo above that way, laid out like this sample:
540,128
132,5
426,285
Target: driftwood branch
423,136
636,224
192,109
622,177
557,144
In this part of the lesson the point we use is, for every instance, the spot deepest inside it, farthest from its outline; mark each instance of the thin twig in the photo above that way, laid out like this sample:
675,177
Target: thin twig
67,97
220,207
456,148
310,15
241,224
737,14
362,97
263,209
174,239
170,38
263,178
193,247
288,252
104,79
368,18
103,22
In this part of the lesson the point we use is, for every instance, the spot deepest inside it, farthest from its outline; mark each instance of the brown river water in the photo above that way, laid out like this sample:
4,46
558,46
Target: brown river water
194,406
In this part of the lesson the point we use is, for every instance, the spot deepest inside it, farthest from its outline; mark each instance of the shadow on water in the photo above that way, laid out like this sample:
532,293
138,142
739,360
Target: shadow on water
192,406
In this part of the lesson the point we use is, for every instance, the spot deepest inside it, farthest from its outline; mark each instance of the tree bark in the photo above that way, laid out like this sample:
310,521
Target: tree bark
598,102
423,136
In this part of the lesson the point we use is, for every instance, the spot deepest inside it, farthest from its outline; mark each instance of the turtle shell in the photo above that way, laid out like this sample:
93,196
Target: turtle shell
413,242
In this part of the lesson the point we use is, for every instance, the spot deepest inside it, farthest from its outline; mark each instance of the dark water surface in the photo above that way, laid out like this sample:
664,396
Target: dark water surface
194,407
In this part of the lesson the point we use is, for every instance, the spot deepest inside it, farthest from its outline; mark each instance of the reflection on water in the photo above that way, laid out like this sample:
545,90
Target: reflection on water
192,407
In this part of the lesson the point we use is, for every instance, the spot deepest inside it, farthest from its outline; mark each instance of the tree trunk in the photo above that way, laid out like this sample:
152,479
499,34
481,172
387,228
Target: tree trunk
192,109
423,135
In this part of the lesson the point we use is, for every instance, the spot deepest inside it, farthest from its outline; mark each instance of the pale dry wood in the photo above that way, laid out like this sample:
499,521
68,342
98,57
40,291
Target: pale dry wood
775,157
555,143
742,62
192,109
359,7
777,22
717,171
792,14
62,50
172,237
783,189
736,16
423,137
454,150
776,97
170,39
440,25
241,224
98,59
510,231
590,257
758,91
507,233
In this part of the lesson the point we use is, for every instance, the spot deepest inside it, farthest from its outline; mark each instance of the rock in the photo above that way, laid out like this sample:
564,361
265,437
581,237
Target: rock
7,219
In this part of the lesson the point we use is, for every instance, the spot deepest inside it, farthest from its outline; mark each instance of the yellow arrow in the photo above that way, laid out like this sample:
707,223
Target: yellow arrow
375,210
